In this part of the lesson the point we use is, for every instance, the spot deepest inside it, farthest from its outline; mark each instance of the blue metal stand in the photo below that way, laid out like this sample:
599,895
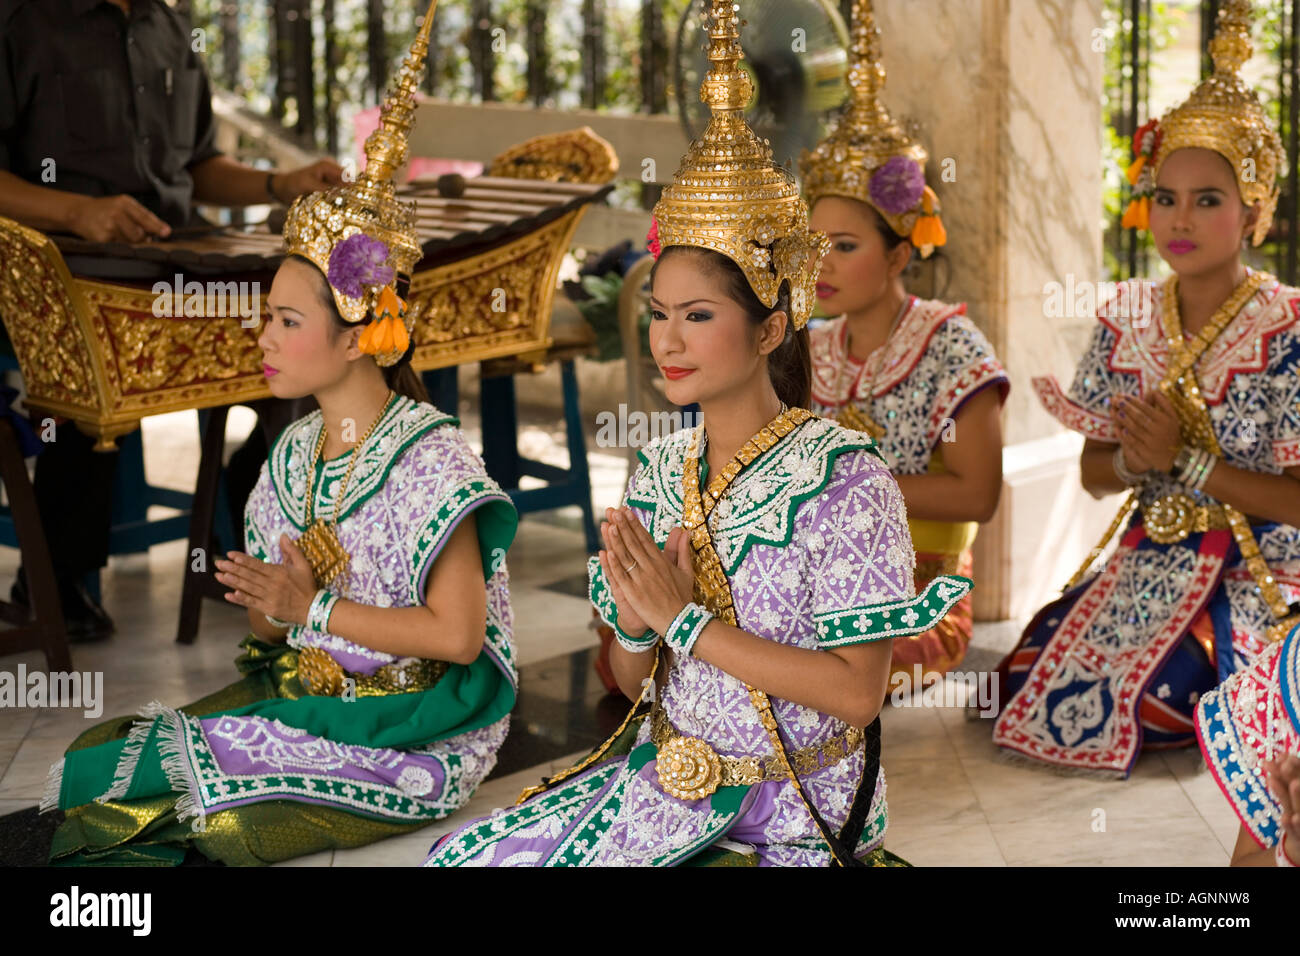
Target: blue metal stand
500,422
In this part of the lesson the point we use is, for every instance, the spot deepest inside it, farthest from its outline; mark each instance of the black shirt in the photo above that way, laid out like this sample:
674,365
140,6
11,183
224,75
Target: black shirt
120,104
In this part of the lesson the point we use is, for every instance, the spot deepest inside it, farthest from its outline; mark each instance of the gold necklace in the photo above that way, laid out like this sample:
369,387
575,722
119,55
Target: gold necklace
849,415
719,482
1179,384
320,542
1181,387
711,583
697,504
1184,354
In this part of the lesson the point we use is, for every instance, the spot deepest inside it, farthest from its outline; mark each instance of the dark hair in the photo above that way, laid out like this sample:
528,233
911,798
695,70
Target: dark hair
400,377
892,239
790,365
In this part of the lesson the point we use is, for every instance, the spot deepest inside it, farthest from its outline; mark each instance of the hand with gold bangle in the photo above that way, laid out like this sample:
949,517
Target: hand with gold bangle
1192,467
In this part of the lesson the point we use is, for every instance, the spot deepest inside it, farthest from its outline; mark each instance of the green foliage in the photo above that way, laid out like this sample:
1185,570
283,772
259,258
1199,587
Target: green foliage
1166,21
349,78
1269,45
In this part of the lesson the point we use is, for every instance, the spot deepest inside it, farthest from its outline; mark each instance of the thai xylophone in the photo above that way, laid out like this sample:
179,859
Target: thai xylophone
109,333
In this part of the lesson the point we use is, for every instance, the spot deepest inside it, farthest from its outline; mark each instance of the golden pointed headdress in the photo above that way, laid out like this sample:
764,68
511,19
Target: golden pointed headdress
868,156
360,235
1223,114
728,194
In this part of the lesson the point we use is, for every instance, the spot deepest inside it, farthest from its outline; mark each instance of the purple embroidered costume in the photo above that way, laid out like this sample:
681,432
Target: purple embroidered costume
813,538
256,755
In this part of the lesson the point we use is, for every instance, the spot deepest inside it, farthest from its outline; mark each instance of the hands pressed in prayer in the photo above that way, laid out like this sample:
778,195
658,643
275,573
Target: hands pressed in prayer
1284,781
1149,431
284,591
660,582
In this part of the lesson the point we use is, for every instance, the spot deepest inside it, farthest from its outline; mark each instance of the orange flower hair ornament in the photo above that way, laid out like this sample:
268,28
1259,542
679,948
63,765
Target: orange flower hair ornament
358,268
928,232
1146,144
388,336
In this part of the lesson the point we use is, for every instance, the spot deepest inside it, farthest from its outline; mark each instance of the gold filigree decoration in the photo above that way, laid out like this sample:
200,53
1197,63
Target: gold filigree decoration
866,135
1171,518
145,353
688,768
323,676
730,197
493,304
573,156
319,672
45,318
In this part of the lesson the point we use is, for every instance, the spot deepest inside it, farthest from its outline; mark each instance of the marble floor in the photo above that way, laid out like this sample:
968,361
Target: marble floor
952,800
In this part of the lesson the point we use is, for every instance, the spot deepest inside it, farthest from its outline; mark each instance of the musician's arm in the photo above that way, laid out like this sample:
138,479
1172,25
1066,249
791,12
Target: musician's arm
50,210
222,181
54,210
98,218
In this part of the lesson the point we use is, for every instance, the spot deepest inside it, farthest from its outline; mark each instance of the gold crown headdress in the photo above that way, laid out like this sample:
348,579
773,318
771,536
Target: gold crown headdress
868,156
728,194
359,234
1223,114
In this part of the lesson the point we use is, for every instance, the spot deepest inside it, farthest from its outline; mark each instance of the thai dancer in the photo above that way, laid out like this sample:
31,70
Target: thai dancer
1249,731
917,374
1189,398
756,573
379,674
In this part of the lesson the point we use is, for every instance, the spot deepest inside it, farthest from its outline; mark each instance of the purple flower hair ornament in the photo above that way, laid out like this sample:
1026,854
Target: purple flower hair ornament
897,186
359,261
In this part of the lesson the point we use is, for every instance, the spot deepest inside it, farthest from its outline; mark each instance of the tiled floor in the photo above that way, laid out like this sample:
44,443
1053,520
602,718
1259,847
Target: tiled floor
952,800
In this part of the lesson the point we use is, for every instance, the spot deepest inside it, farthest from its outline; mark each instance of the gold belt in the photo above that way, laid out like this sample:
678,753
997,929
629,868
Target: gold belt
689,769
323,676
1172,518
